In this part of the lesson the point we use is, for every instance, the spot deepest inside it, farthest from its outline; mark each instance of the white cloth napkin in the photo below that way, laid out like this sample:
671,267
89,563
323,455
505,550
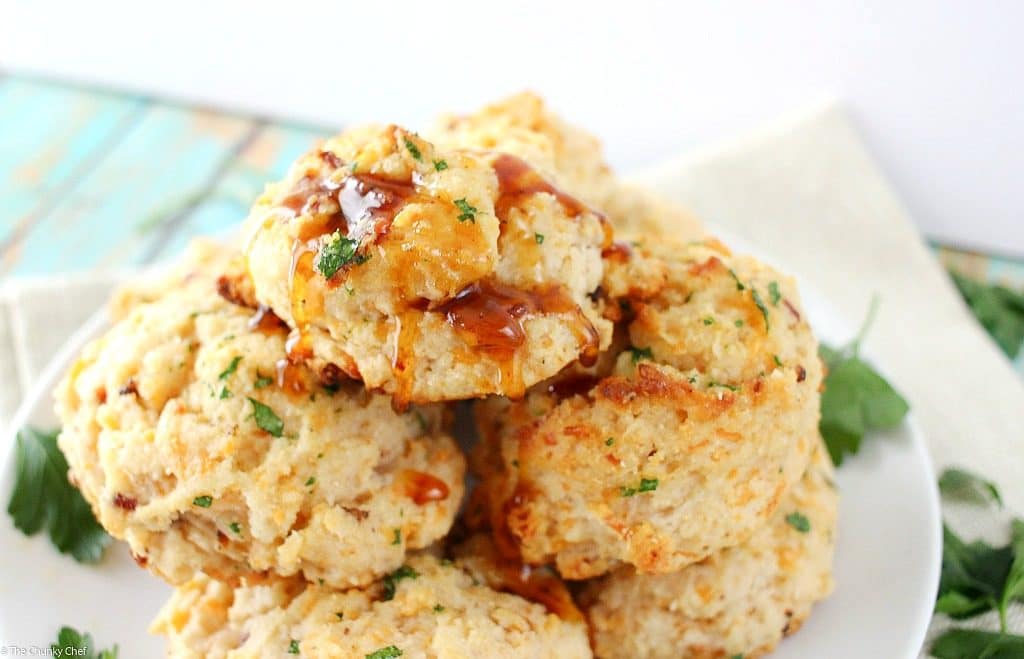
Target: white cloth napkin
807,193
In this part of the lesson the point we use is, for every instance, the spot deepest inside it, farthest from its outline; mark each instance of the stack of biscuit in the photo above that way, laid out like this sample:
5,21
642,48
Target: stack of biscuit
269,426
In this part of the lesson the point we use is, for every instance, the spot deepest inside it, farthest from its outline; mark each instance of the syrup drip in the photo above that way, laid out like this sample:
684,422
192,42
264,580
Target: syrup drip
422,488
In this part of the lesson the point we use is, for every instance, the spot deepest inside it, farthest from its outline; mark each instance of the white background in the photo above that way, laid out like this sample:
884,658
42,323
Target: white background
936,87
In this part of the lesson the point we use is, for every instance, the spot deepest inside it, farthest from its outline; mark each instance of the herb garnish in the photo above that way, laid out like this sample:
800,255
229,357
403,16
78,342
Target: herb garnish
799,522
440,165
438,608
72,643
641,353
413,149
856,398
773,293
390,652
225,393
646,485
232,367
609,441
391,580
262,381
977,644
760,305
468,212
336,252
539,238
961,484
293,647
999,310
266,419
236,528
44,498
397,538
204,501
739,284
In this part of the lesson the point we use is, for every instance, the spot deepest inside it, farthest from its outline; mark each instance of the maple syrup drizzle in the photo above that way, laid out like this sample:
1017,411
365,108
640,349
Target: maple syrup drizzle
265,321
540,585
517,179
422,488
619,251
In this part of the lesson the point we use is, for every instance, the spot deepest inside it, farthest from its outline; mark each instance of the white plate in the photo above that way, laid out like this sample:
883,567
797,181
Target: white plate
887,560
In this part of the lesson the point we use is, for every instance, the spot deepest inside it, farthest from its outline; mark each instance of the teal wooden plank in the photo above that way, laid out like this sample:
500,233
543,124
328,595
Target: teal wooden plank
108,218
265,159
50,133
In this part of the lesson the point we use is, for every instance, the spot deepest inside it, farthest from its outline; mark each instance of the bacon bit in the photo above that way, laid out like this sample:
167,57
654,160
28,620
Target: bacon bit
124,502
331,159
579,431
222,538
610,457
801,373
792,309
130,388
330,375
358,513
101,395
758,384
234,290
141,561
710,265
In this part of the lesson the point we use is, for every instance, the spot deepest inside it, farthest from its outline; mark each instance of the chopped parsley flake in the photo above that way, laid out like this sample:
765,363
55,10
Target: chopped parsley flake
266,419
413,149
398,537
468,211
204,501
760,305
262,381
224,393
646,485
440,165
709,321
390,652
738,323
310,481
232,367
539,237
391,581
341,615
641,353
799,522
739,284
609,441
773,293
730,387
293,647
778,362
236,528
337,252
438,608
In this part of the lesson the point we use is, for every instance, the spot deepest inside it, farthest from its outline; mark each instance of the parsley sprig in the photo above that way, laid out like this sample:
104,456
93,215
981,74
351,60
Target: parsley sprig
856,399
978,577
336,252
999,310
72,643
44,498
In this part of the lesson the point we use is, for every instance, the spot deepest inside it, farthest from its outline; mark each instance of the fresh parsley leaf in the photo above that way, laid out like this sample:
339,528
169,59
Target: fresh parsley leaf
977,644
262,381
773,293
236,528
468,212
627,491
44,498
413,149
72,643
760,305
293,647
232,367
641,353
336,252
391,580
539,238
440,165
999,310
609,441
266,419
438,608
856,399
799,522
310,481
1013,589
225,393
973,576
963,485
204,501
709,321
390,652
